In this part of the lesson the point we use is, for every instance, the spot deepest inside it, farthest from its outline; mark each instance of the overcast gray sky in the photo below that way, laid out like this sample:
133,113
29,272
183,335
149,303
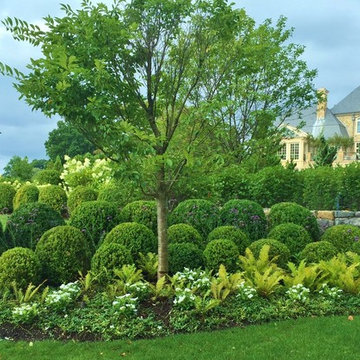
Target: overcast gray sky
330,30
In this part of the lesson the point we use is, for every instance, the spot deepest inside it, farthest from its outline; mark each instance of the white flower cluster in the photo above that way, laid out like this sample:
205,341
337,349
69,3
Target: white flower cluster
298,293
25,312
64,296
331,292
193,279
245,292
16,184
184,298
125,305
98,171
138,289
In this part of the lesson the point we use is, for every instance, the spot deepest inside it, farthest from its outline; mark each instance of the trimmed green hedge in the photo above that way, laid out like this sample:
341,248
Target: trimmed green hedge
63,251
239,237
27,224
79,195
201,214
221,251
44,177
7,194
135,237
342,237
141,212
183,255
25,195
55,197
20,265
317,251
246,215
184,233
288,212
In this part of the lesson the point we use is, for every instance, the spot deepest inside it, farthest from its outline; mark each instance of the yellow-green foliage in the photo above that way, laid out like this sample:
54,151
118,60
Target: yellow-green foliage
342,271
310,276
261,273
225,284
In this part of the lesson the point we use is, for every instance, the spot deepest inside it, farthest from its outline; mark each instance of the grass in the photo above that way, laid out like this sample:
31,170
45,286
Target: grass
309,338
3,219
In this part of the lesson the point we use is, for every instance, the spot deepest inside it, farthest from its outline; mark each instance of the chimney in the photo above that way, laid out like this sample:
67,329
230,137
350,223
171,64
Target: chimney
322,103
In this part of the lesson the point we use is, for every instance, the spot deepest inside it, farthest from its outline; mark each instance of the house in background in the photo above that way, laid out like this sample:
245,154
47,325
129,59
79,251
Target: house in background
340,122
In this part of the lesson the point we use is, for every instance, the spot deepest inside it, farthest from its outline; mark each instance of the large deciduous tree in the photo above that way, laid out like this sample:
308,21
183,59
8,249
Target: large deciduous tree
66,140
151,81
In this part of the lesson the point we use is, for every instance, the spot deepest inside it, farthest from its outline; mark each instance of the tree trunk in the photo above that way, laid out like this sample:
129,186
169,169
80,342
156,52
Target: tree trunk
162,212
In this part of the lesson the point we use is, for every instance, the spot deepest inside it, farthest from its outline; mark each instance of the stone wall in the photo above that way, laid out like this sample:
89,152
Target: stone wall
331,218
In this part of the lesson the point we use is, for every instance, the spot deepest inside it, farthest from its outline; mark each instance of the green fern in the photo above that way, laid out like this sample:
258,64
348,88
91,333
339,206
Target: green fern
30,292
161,289
149,265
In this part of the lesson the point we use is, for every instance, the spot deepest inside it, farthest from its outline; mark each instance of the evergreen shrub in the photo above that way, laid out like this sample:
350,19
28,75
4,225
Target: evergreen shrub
239,237
79,195
246,215
288,212
342,237
55,197
28,193
45,177
183,255
27,224
184,233
63,251
317,251
7,193
201,214
19,265
95,219
221,251
135,237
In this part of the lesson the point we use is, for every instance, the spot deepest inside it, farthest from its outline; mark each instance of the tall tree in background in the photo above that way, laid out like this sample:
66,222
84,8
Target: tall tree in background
18,168
147,82
67,140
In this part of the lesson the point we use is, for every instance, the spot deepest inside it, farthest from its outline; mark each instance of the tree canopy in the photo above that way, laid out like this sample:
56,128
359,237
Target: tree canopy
153,83
66,140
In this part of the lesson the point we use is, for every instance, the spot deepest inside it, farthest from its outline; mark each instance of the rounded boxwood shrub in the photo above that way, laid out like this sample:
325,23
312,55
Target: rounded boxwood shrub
54,196
183,255
135,237
221,251
20,265
79,195
95,219
317,251
276,249
342,237
26,225
26,194
239,237
44,177
288,212
7,193
63,251
295,237
201,214
184,233
120,193
109,257
141,212
246,215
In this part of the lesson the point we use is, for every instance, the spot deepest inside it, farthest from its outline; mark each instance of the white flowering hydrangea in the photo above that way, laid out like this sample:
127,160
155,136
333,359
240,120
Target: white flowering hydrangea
94,173
66,294
25,312
298,293
330,292
16,184
192,279
184,298
125,305
246,292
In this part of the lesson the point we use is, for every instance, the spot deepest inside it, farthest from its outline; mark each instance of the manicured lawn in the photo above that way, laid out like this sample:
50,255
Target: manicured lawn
312,338
3,219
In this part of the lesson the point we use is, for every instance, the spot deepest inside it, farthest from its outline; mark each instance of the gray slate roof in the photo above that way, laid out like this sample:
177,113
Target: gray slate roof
350,103
329,126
